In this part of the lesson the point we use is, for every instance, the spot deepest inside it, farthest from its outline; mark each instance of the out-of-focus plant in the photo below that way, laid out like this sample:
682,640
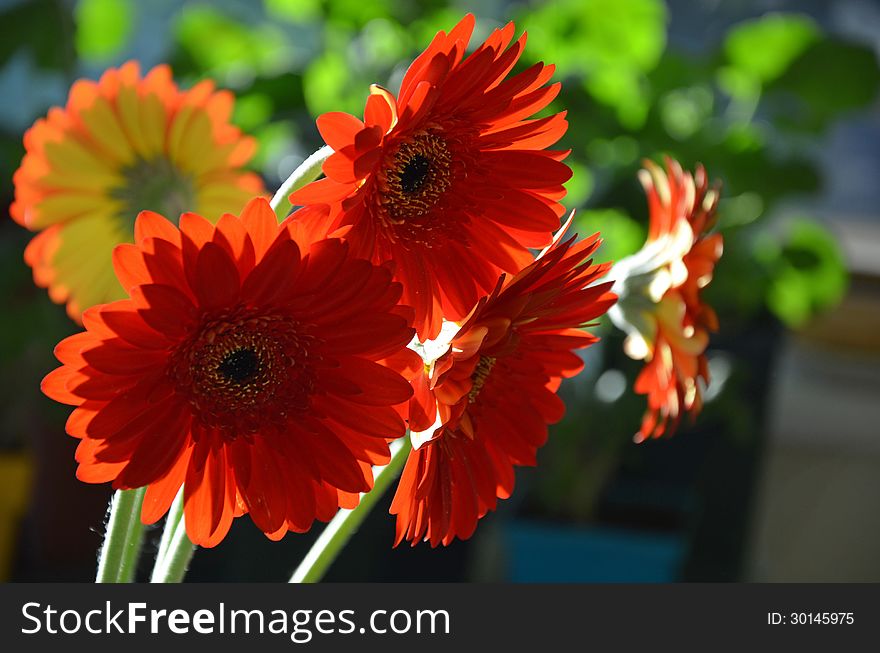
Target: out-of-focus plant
806,270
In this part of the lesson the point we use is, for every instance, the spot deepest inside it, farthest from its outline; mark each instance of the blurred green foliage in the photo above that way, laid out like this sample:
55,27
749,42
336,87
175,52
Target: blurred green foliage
102,27
806,269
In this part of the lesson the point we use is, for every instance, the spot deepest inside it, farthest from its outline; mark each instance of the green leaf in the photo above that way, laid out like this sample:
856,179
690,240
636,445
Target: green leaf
808,274
25,25
765,47
832,77
328,85
295,11
221,45
611,44
684,111
357,13
252,110
275,139
580,186
739,210
102,27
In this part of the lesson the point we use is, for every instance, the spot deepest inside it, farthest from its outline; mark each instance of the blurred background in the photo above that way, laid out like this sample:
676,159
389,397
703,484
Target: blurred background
778,479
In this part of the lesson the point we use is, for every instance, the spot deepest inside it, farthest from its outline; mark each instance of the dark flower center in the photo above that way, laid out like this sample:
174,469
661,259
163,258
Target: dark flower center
242,371
239,365
155,185
480,376
417,176
414,174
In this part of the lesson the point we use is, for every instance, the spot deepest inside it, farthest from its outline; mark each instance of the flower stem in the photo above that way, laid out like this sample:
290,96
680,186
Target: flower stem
307,171
340,529
175,548
123,539
171,521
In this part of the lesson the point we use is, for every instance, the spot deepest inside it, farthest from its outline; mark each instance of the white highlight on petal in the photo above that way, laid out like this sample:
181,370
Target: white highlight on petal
431,351
642,280
420,438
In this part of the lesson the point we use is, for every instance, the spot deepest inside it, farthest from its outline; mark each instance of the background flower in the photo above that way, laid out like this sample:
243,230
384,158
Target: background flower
660,307
244,367
121,145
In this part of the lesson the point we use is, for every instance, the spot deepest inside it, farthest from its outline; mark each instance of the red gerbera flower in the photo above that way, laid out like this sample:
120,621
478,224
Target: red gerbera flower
450,180
485,404
245,367
660,287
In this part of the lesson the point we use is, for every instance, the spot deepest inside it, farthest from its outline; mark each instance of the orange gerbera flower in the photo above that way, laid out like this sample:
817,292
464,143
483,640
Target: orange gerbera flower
660,307
484,405
123,144
450,180
245,366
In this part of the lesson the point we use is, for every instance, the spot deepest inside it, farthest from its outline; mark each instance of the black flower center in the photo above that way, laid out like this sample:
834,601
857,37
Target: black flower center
418,174
243,369
414,174
240,365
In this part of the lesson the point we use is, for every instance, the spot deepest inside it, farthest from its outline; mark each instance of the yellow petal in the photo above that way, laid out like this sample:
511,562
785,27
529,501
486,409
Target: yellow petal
83,261
65,206
197,152
153,120
107,132
70,157
127,103
179,127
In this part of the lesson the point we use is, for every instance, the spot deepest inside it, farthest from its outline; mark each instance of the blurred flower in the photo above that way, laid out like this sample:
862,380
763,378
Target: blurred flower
660,308
484,404
450,180
245,366
121,145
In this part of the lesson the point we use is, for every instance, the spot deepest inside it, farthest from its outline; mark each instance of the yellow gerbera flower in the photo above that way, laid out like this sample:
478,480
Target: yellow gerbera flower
121,145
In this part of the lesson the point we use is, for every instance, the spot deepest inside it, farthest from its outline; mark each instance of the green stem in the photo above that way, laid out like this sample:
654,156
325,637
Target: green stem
340,529
123,538
171,521
175,548
306,172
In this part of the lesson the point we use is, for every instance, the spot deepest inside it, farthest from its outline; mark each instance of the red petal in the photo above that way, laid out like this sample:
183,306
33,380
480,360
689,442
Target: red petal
379,386
208,504
117,357
525,169
152,225
373,421
130,326
160,494
55,386
128,263
164,309
275,276
260,221
217,282
236,235
338,129
380,110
